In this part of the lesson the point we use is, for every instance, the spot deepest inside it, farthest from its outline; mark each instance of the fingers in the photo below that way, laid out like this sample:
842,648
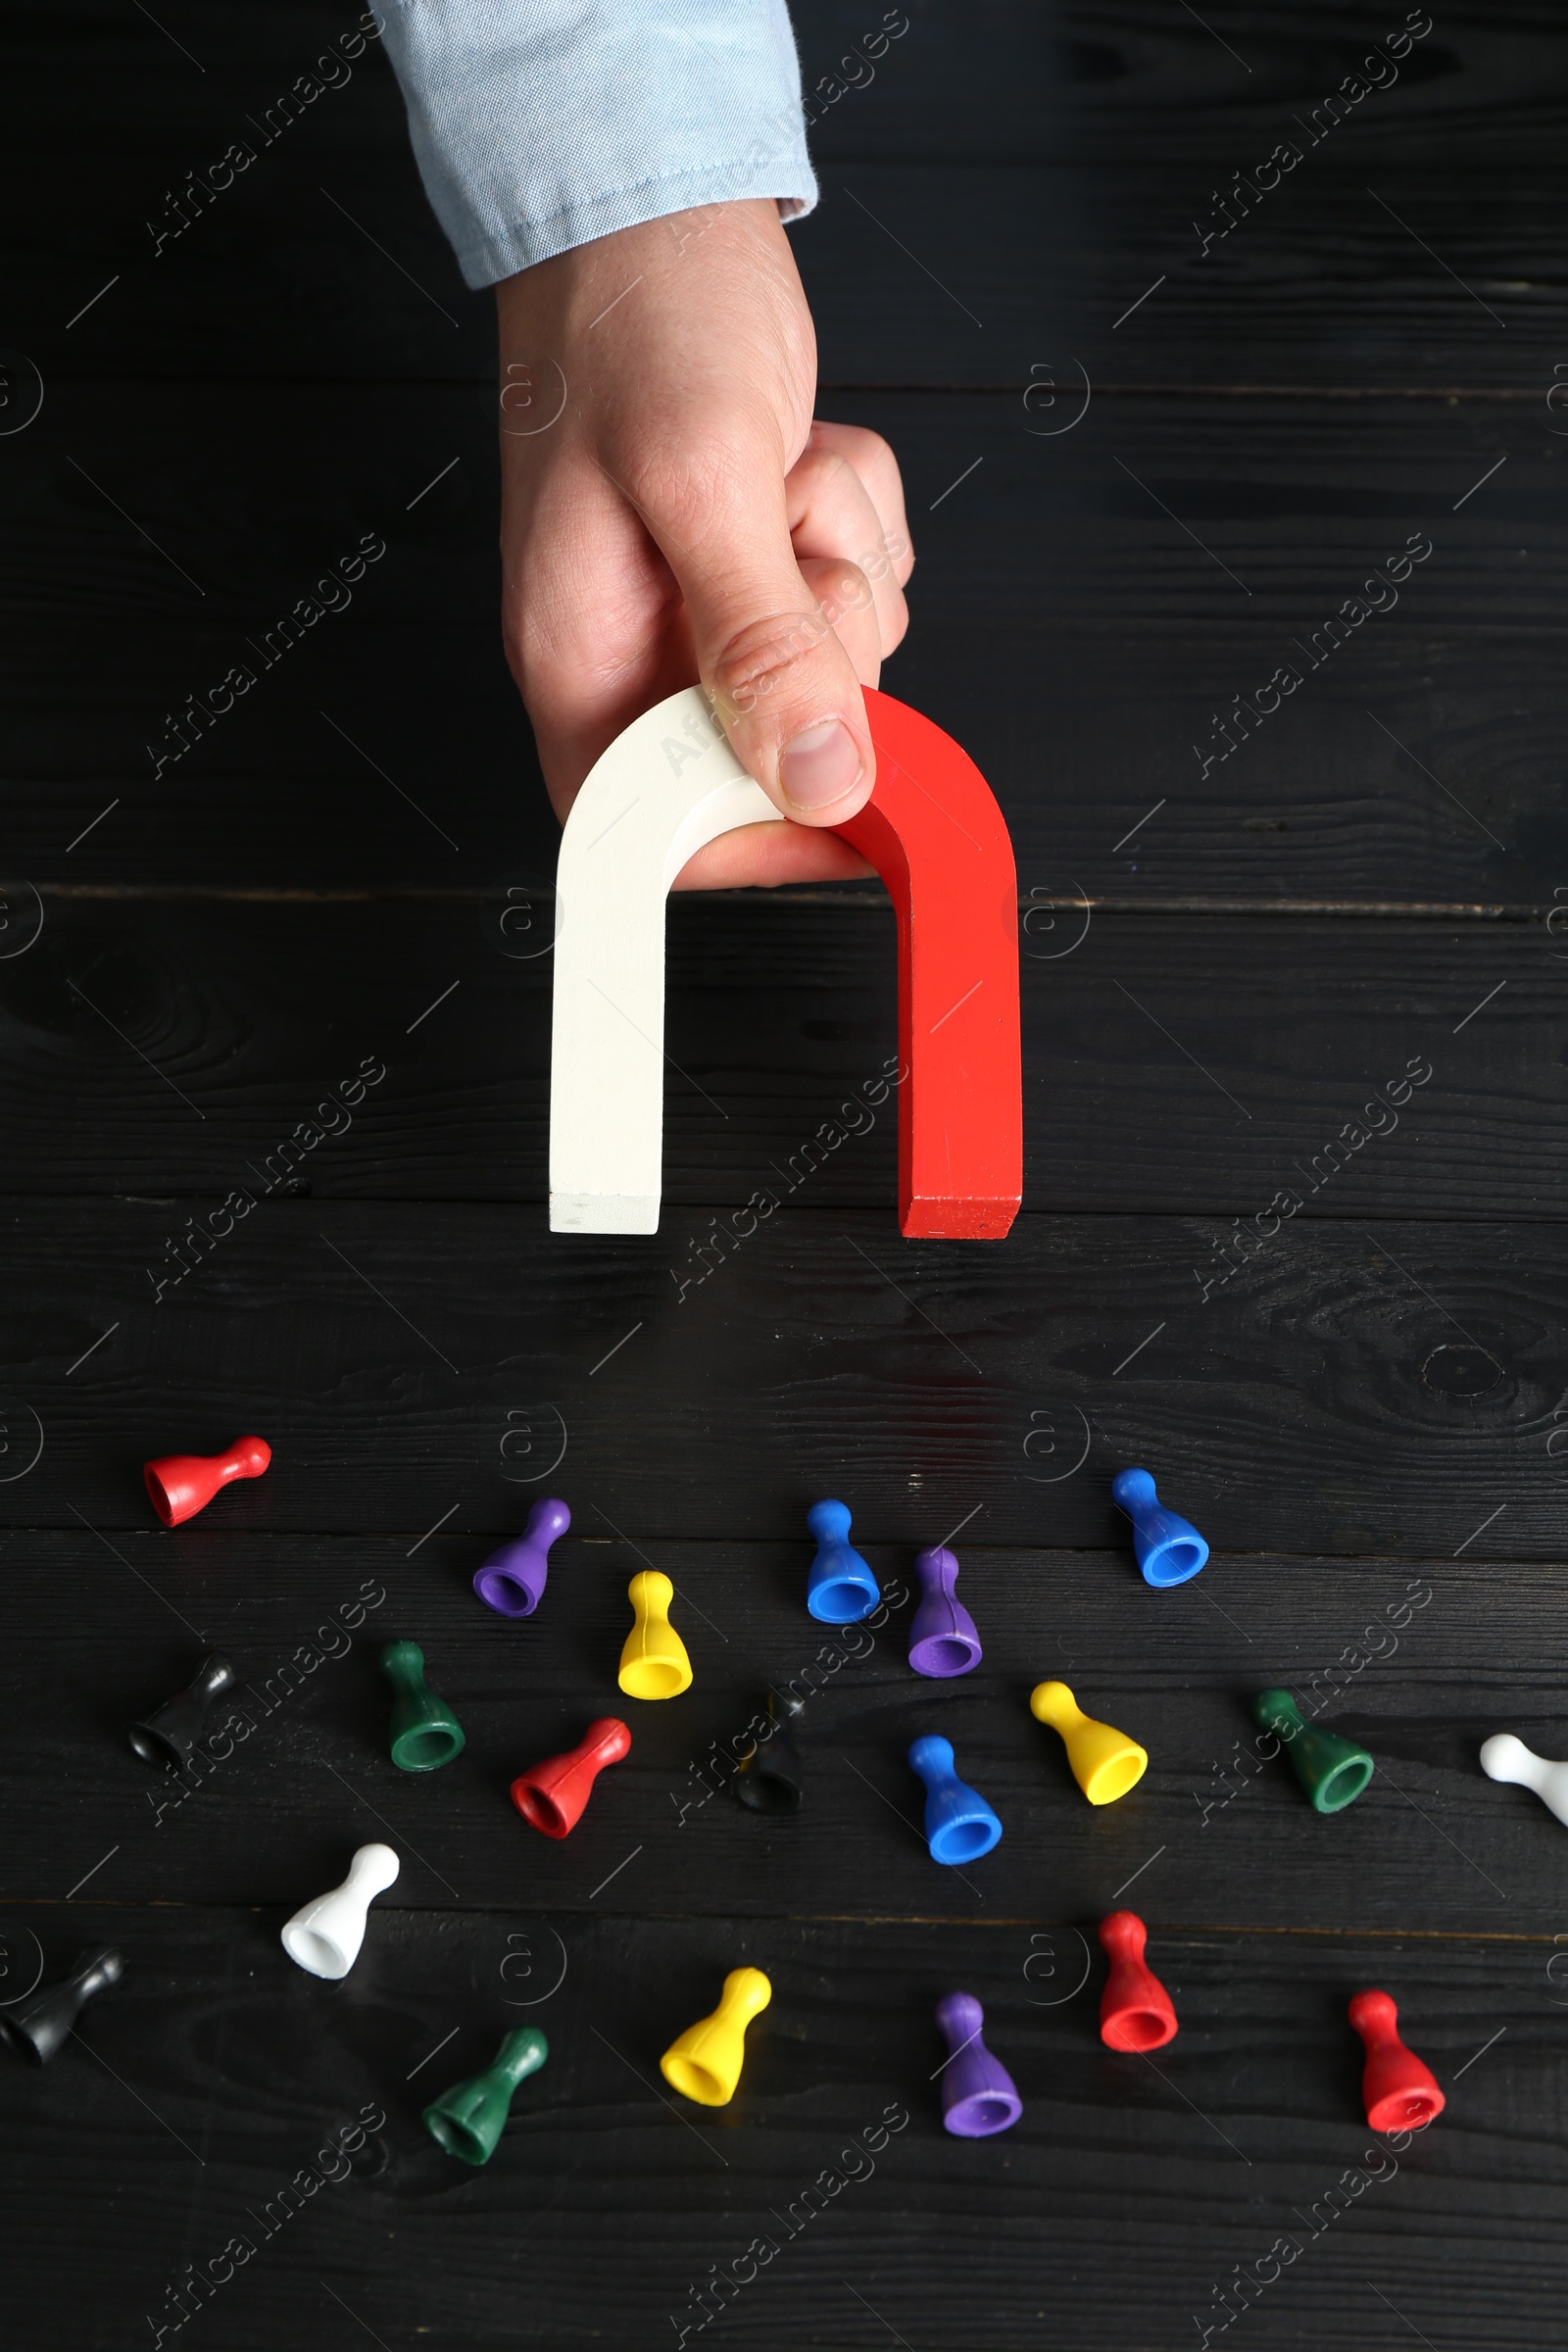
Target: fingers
878,471
764,857
596,631
831,514
681,515
849,609
782,681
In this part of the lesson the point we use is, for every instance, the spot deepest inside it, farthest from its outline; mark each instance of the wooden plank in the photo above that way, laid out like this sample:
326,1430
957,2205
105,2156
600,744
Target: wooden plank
782,1018
1058,191
1349,1383
1009,273
603,2207
1411,764
1117,78
1419,1659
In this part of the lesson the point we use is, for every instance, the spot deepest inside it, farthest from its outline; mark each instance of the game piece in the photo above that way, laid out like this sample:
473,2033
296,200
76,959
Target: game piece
323,1938
551,1796
978,2097
943,1641
469,2118
960,1826
425,1734
704,2062
668,784
1169,1547
840,1589
1332,1769
512,1578
168,1736
36,2027
1135,2009
768,1780
1505,1758
1401,2093
653,1662
182,1484
1105,1763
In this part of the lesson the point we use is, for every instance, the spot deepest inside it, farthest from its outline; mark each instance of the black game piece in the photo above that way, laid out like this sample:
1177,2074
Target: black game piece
169,1735
38,2026
768,1780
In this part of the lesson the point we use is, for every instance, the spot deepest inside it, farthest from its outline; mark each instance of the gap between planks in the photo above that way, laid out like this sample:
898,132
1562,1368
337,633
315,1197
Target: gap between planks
1498,394
1432,911
1169,1929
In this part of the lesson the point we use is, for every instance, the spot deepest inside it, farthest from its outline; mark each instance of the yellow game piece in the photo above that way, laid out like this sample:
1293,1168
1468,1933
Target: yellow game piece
704,2062
1106,1764
654,1663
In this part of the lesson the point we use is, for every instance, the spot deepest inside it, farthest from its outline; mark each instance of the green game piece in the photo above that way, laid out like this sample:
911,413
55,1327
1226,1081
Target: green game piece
425,1734
1332,1771
469,2118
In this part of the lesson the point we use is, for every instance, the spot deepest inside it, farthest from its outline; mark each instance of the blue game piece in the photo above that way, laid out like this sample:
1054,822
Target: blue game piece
1170,1548
959,1825
841,1589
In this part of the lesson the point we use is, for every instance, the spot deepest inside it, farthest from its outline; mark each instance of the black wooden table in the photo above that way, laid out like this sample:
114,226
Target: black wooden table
1144,475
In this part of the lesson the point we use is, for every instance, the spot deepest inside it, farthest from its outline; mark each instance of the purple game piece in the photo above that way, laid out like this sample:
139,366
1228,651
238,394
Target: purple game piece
977,2093
512,1578
942,1639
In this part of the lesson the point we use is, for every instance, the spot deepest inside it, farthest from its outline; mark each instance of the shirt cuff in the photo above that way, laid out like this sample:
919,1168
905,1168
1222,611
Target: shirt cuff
540,124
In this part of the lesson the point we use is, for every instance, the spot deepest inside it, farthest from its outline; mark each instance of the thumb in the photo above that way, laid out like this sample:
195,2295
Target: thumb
784,687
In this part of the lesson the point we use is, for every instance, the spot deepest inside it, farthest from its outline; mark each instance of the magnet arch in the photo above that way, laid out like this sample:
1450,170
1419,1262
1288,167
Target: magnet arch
668,785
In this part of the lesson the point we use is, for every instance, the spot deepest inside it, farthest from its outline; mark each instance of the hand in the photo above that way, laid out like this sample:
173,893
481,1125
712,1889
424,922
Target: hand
670,514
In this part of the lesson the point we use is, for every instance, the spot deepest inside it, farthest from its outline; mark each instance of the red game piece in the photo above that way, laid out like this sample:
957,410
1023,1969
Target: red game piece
551,1796
182,1484
1135,2009
1401,2093
935,833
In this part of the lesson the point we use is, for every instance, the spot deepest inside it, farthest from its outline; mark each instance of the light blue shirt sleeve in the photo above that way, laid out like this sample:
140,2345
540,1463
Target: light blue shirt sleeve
538,125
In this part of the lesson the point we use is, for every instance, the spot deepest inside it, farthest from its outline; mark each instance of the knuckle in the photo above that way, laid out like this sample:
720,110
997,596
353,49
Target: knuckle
691,483
662,483
844,587
873,461
765,660
858,443
821,462
873,455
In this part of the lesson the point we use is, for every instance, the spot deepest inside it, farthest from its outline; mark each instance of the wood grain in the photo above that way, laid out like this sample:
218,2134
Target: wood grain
1174,1063
1411,765
1361,1411
1383,1649
1045,173
603,2207
1349,1383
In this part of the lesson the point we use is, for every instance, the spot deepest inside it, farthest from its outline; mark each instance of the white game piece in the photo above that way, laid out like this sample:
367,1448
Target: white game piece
1505,1758
325,1937
667,786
